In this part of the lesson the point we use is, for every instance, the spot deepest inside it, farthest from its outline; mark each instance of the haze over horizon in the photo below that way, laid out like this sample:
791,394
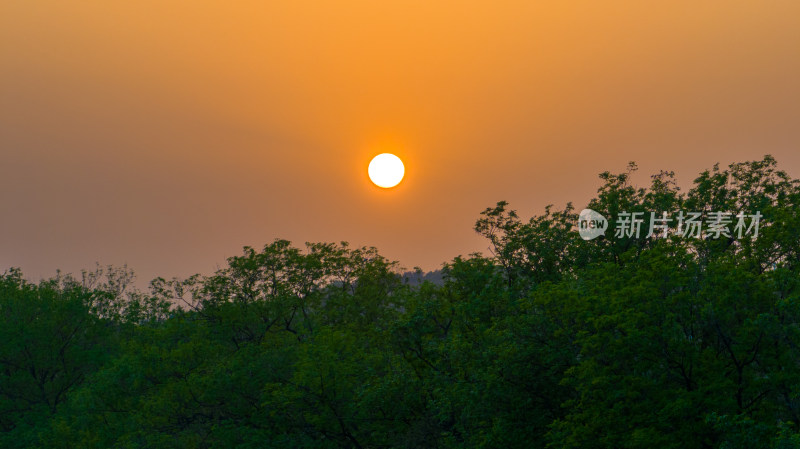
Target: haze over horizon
166,136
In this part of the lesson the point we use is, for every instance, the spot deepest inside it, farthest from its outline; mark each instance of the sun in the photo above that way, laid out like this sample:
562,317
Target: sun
386,170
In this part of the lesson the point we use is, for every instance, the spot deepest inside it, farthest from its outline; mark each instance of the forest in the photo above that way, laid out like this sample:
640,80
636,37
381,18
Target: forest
546,341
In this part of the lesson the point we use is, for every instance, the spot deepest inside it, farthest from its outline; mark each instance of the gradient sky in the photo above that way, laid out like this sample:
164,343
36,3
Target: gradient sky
169,134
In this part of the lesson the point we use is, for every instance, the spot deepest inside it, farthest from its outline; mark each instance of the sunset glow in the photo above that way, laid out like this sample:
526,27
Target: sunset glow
112,113
399,224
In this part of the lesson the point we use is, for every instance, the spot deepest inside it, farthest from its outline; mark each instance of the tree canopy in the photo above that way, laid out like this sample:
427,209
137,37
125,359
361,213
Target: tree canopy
549,341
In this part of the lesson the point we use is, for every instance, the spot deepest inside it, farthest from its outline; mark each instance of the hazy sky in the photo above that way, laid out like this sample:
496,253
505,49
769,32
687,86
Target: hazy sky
169,134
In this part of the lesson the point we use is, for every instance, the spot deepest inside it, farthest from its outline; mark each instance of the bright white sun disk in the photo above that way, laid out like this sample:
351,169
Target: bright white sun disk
386,170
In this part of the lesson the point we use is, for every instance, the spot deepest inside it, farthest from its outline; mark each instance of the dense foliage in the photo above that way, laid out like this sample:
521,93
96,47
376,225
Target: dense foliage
552,341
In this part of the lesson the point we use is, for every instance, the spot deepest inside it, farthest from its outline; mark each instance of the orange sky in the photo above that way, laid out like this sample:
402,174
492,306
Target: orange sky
168,134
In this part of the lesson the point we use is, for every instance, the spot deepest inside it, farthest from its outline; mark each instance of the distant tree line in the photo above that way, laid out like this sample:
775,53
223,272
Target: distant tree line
549,341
